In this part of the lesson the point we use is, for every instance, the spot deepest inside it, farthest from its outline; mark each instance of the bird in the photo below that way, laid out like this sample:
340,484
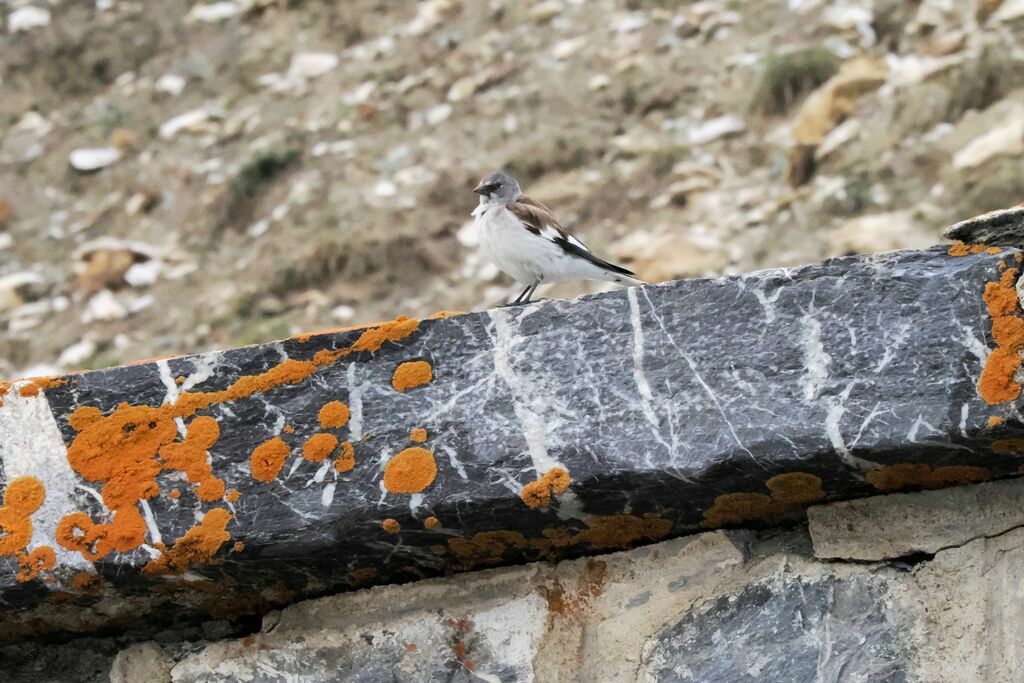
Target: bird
523,239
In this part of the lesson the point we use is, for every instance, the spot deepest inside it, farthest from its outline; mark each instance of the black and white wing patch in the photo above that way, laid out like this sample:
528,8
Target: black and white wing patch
538,219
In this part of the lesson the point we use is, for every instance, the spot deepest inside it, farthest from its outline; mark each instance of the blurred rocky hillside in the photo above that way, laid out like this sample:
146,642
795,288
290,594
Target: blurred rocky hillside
178,176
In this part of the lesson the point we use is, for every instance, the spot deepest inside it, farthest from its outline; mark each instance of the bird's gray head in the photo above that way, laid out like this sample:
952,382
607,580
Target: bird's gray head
498,188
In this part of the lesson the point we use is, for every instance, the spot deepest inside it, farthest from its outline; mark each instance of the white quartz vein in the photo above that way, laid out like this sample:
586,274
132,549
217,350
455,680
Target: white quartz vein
355,404
643,388
892,345
816,360
31,445
527,403
700,380
836,410
154,530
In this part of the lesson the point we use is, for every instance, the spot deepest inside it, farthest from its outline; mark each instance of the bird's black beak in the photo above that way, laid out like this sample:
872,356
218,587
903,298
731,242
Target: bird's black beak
481,189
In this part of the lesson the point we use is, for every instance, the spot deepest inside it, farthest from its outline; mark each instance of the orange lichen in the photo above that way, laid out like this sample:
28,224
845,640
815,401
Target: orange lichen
537,494
391,525
412,374
573,606
418,434
396,330
788,491
1008,446
189,456
24,495
127,449
346,462
995,421
993,250
197,546
288,429
238,546
29,390
997,383
41,559
444,314
174,494
606,532
334,415
411,471
363,574
233,496
268,458
896,477
977,248
432,523
319,446
603,532
86,582
959,249
15,532
73,532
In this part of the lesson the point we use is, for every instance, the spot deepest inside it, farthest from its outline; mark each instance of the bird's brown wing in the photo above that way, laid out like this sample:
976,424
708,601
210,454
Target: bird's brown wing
538,219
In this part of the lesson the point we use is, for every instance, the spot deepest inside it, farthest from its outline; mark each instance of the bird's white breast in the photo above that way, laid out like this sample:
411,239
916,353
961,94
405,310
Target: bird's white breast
526,256
509,245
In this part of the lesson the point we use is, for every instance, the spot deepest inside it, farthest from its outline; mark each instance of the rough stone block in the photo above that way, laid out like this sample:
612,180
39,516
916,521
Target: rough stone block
231,483
899,525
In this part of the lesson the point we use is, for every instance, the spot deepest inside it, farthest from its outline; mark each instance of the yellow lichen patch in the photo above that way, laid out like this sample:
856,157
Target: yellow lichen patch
346,462
418,434
537,494
24,495
1008,446
788,491
334,415
959,249
268,458
896,477
41,559
391,526
197,546
319,446
411,471
412,374
997,383
432,523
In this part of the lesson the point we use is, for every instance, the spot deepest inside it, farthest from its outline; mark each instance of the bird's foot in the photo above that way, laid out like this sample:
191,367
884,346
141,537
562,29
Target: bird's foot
510,304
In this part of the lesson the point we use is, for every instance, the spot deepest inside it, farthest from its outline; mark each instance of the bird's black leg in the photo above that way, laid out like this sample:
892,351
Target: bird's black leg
519,299
529,292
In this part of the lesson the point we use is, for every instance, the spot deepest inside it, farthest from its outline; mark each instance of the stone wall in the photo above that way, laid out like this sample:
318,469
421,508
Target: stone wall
924,586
